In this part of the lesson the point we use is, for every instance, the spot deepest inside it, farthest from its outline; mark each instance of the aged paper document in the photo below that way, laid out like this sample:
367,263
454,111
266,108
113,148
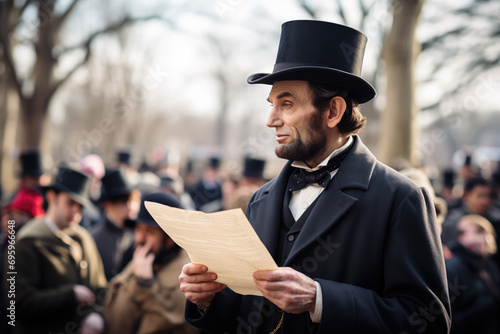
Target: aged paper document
223,241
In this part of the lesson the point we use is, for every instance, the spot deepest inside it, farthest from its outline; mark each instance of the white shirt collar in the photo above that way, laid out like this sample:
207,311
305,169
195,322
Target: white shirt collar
302,164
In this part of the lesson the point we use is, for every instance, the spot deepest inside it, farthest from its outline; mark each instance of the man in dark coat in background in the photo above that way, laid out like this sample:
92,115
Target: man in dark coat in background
114,240
145,297
60,279
356,242
207,193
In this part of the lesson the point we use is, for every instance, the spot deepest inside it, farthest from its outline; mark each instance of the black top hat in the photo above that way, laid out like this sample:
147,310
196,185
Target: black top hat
73,183
31,164
214,162
157,197
449,178
320,52
114,184
254,167
123,157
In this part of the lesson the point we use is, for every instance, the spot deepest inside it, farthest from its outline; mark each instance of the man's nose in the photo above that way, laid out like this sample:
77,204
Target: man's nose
274,120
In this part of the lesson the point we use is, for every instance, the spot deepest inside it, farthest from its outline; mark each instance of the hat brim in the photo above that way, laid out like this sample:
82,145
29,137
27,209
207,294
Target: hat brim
115,193
82,200
358,88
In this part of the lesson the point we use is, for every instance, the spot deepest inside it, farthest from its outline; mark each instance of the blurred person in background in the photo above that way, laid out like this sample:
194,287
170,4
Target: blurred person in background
113,239
26,205
253,172
251,180
145,297
173,184
448,191
31,169
92,165
419,177
477,199
474,279
468,170
59,271
207,193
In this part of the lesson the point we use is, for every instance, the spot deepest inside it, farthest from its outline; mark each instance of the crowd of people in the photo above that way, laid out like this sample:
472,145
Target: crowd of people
89,257
124,275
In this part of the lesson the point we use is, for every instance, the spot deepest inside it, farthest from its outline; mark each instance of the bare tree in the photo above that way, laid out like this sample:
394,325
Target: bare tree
400,51
36,89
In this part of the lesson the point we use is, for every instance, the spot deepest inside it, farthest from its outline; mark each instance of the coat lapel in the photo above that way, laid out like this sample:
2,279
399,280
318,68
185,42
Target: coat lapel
265,213
334,203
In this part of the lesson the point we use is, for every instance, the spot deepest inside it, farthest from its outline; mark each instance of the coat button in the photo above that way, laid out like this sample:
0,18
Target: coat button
291,237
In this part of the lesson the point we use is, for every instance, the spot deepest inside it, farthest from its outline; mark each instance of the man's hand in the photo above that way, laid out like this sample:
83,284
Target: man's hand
143,262
198,285
288,289
84,295
92,324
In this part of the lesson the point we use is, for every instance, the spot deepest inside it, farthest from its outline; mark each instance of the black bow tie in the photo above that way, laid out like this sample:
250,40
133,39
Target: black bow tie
300,178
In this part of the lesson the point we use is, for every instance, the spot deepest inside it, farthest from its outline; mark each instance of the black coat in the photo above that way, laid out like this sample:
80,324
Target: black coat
46,274
474,308
115,245
371,242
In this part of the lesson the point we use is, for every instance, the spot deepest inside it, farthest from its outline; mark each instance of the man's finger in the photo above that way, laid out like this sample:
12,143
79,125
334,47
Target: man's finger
269,275
200,278
194,269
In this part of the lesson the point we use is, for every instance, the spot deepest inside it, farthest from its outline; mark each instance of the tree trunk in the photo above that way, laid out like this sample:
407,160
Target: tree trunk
400,50
34,108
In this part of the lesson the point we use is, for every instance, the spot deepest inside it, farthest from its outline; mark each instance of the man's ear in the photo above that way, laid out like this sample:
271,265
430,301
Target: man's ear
50,196
336,111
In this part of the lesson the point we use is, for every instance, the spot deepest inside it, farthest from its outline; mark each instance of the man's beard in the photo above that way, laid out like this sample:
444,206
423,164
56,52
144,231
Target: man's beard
302,150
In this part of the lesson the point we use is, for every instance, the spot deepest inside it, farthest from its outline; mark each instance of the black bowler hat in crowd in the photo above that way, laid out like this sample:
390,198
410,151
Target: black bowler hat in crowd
254,167
158,197
320,52
114,184
30,163
73,183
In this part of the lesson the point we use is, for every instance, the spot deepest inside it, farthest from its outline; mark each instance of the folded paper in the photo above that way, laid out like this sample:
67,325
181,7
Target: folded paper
223,241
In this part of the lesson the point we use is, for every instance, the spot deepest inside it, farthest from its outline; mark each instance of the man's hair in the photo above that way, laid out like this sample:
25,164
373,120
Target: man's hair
474,182
45,204
483,226
352,121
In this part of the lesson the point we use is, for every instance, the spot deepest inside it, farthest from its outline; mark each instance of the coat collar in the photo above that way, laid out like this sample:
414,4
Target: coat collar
265,213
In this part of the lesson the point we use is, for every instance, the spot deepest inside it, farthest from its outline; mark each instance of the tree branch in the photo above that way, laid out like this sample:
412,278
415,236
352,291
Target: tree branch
308,9
86,46
61,18
16,17
7,56
110,28
342,12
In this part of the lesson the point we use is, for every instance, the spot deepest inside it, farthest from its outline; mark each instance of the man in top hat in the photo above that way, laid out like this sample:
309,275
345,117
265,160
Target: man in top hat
114,240
145,297
31,168
60,277
356,242
251,179
253,172
207,193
